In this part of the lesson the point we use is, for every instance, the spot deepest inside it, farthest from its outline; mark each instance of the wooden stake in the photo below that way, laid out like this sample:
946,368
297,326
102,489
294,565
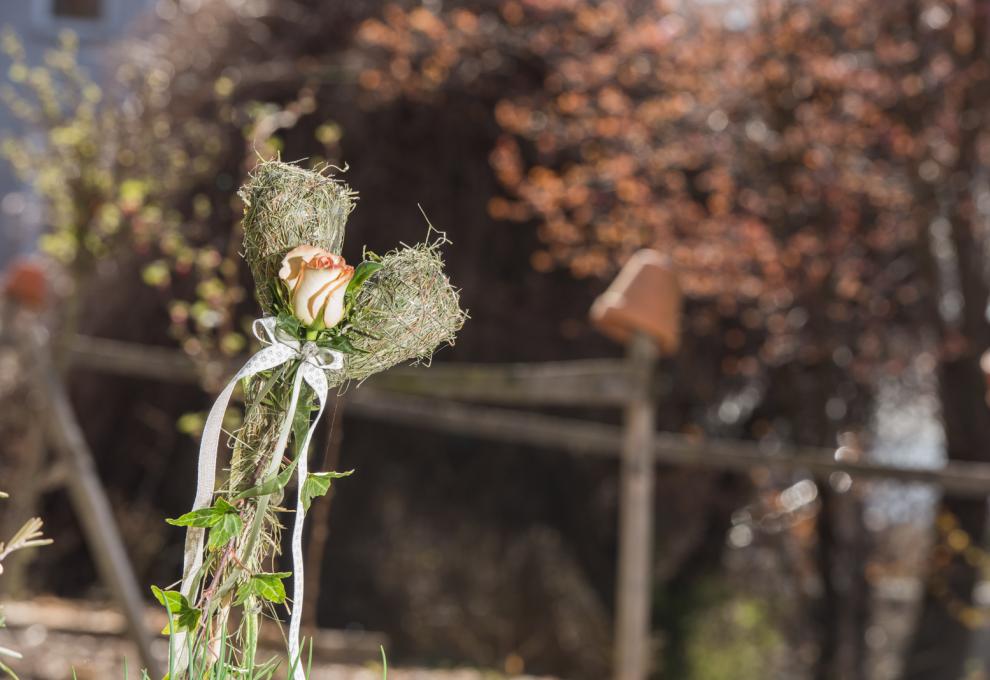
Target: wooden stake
635,583
88,497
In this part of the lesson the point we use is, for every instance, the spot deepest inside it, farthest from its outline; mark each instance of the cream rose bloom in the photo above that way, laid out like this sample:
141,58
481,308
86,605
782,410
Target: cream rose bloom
317,279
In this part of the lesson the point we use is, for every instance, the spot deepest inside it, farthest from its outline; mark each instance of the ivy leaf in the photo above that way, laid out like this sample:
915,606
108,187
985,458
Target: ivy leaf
267,586
203,518
270,485
170,599
342,344
288,322
300,424
184,615
222,505
188,619
270,586
361,274
229,526
318,483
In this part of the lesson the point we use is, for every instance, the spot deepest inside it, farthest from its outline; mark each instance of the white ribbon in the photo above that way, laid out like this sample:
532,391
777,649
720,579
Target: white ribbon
314,361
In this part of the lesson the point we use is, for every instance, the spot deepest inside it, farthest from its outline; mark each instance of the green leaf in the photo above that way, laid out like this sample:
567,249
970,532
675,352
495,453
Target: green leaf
203,518
318,483
270,485
288,322
184,615
270,586
228,527
342,344
361,274
300,423
170,599
188,619
267,586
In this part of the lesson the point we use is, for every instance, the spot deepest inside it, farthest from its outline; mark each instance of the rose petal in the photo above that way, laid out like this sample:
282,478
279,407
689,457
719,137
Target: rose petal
296,259
333,313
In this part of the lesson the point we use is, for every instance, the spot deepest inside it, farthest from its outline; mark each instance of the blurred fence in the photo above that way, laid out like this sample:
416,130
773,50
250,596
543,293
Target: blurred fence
469,400
463,399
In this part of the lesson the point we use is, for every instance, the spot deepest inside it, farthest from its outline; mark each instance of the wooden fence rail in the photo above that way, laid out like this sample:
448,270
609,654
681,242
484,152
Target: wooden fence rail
586,382
584,438
412,397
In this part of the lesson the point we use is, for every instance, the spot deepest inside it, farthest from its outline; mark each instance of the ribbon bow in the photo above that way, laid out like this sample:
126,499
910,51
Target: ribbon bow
268,332
279,348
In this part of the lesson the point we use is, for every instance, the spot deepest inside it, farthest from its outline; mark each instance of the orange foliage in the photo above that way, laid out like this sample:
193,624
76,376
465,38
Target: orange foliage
779,158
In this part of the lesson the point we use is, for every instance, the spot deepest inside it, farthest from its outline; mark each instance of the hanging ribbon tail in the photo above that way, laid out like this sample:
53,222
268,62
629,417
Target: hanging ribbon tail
317,380
265,359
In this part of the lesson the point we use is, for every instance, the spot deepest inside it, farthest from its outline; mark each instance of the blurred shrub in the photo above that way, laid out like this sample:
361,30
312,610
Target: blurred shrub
735,639
110,171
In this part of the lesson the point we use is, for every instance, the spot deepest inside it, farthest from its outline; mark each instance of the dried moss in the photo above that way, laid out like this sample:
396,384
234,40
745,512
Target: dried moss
404,312
286,206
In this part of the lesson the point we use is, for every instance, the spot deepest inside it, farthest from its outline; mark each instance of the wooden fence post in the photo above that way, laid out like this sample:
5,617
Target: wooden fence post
641,309
635,583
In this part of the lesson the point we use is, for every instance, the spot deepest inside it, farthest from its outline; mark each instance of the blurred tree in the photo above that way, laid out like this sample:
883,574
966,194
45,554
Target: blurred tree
89,158
813,169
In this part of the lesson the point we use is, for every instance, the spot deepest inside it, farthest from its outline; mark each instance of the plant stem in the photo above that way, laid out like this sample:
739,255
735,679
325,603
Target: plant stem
252,609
